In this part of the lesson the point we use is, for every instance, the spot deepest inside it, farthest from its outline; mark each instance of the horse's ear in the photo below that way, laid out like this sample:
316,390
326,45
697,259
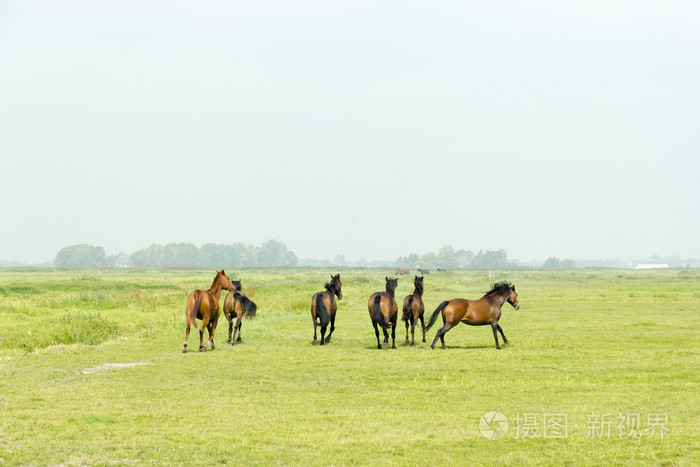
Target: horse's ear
386,277
512,287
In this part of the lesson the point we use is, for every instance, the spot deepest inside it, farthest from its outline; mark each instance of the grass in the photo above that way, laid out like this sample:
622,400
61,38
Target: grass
91,372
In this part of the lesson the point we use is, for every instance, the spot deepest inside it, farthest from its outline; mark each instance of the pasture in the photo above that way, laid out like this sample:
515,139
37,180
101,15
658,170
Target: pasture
601,369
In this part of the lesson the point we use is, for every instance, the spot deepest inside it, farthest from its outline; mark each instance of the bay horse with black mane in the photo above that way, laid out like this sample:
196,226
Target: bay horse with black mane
324,306
413,309
384,312
236,303
204,305
486,310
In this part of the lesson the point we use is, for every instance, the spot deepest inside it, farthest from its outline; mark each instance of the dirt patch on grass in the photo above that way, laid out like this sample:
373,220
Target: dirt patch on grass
112,366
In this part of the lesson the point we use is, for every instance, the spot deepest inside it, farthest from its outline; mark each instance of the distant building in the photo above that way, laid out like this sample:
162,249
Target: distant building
652,266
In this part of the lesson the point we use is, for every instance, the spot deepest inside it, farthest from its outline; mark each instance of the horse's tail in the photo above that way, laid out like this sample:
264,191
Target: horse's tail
377,312
249,306
408,309
193,313
435,314
321,312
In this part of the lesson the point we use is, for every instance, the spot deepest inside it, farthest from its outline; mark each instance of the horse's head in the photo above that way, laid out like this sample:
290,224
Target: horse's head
391,284
223,280
237,285
336,286
513,298
418,283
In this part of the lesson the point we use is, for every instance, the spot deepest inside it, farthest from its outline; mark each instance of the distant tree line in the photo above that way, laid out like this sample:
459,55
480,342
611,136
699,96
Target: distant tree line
449,258
271,253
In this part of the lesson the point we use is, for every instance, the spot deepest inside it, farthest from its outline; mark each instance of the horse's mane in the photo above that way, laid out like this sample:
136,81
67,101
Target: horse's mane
418,287
500,288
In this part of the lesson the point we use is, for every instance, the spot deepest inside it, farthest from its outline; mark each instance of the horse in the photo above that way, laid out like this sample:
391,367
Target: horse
324,306
204,305
413,309
384,312
402,272
486,310
424,271
236,302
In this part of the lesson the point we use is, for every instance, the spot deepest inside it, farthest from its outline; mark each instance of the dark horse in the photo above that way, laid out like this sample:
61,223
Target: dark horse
324,306
486,310
384,312
237,303
204,305
413,309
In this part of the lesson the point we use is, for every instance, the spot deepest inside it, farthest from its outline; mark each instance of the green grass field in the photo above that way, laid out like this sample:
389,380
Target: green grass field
601,369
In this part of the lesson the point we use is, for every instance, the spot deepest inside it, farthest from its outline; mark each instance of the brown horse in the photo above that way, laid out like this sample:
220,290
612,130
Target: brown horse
413,309
384,312
324,306
486,310
402,272
204,305
237,303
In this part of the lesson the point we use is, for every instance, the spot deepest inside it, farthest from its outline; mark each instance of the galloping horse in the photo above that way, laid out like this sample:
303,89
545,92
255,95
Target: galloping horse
402,272
204,305
236,302
384,312
324,306
413,309
486,310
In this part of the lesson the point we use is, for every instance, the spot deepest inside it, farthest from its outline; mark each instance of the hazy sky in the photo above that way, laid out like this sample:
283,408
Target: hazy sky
369,128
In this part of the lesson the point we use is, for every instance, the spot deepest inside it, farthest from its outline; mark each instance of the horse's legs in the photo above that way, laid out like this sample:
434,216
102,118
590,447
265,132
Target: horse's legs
386,337
315,325
187,334
376,333
413,330
323,333
230,330
236,329
205,324
494,327
328,338
422,323
498,326
240,325
406,332
211,330
441,335
393,335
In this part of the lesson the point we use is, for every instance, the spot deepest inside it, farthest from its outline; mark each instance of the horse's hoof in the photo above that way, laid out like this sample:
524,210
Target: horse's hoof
393,346
498,347
184,350
385,345
413,344
423,340
239,340
314,342
328,339
202,349
506,342
406,343
228,341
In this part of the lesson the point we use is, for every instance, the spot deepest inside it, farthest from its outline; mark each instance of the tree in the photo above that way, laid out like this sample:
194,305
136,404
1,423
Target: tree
82,255
552,263
568,264
428,260
446,257
490,258
275,253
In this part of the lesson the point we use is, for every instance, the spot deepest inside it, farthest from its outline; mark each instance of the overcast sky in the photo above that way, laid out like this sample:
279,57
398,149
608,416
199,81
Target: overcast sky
368,128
